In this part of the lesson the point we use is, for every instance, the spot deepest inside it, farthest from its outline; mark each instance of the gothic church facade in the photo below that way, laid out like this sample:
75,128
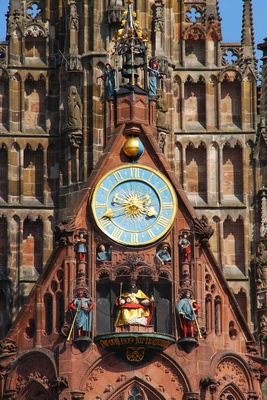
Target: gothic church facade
132,153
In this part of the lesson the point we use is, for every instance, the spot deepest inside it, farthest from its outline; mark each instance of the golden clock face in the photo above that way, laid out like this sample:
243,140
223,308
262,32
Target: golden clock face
134,205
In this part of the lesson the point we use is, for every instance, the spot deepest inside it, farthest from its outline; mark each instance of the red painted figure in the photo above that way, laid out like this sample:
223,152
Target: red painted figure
185,248
81,247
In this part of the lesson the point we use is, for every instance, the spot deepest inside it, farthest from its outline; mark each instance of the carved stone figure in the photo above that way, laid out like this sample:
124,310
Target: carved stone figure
74,110
263,335
261,266
162,108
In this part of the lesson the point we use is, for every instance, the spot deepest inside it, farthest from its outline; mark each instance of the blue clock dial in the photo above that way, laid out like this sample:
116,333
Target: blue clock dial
134,205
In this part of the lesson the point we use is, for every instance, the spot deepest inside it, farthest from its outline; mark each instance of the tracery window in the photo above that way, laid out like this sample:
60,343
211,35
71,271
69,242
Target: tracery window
208,313
48,313
218,315
135,394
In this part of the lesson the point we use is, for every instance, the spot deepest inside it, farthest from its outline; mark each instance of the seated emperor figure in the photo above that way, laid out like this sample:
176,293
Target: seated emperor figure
134,307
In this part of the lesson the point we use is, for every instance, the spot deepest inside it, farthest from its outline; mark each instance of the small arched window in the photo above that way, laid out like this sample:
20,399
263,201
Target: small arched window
218,315
48,313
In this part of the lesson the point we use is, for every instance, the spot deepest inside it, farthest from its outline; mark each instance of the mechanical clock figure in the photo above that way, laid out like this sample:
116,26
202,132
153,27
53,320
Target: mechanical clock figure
134,204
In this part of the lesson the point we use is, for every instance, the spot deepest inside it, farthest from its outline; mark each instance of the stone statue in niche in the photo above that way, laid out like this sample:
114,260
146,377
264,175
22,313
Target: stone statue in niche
162,140
162,109
74,114
261,266
74,109
185,248
81,247
263,336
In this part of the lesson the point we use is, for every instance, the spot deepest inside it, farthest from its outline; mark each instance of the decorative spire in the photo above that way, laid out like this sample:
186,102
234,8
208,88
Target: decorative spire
131,43
247,39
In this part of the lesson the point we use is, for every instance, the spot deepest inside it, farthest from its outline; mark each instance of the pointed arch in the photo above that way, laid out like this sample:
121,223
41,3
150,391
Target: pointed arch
137,389
194,103
231,370
33,172
32,246
43,377
232,172
194,46
218,315
196,170
234,249
208,313
35,42
34,390
231,392
242,300
230,99
147,377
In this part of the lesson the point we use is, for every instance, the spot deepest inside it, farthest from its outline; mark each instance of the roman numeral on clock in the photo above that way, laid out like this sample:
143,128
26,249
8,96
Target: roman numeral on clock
117,232
162,221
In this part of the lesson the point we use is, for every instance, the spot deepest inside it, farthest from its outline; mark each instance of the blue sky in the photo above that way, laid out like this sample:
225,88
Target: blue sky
231,13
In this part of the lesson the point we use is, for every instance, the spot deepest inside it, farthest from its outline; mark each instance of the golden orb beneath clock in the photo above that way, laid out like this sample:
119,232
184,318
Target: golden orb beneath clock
133,148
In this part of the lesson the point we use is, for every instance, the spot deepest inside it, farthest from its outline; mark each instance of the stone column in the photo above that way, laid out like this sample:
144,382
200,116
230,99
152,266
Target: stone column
22,114
182,107
220,175
21,172
45,177
219,94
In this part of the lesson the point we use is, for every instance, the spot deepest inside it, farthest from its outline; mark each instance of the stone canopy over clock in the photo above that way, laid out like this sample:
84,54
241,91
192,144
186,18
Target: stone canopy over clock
134,205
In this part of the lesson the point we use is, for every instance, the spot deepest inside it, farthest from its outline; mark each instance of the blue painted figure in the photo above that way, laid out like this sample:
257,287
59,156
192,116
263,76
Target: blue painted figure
186,309
83,317
109,75
163,255
154,74
102,253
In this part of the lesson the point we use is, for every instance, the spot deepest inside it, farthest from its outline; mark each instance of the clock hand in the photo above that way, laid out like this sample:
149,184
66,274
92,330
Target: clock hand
108,213
151,212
